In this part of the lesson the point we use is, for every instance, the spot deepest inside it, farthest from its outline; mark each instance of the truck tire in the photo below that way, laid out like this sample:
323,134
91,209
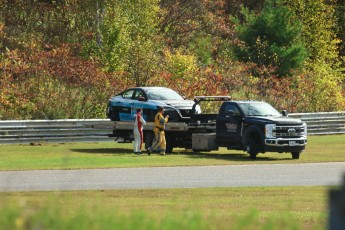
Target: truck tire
170,143
252,149
295,155
148,139
253,143
150,114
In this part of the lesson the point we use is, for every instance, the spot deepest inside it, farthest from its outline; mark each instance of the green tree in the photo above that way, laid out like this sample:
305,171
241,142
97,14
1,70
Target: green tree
340,14
319,29
130,42
199,27
271,38
322,68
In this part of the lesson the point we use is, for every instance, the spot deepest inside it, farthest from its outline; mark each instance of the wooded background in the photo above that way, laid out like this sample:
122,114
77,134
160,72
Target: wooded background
66,58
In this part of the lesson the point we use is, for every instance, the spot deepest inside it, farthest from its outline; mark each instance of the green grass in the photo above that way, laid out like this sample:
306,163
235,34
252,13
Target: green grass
112,155
211,208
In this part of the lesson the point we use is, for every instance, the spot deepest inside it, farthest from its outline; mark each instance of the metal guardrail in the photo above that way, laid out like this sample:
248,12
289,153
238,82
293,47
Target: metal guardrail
97,130
323,123
69,130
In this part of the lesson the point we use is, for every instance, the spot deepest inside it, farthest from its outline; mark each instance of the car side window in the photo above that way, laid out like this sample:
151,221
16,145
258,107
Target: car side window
138,93
128,94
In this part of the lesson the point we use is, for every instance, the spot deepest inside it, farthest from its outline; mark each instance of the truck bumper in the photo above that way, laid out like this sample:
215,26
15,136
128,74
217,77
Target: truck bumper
285,144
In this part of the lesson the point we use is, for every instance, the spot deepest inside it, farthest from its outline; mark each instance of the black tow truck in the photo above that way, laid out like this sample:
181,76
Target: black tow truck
251,126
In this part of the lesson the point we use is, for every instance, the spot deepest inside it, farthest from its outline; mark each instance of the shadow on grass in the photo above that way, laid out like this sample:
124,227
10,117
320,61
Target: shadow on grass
103,150
244,157
234,156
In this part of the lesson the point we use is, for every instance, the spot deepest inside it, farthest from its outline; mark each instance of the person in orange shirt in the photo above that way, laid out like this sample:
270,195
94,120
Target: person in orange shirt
159,142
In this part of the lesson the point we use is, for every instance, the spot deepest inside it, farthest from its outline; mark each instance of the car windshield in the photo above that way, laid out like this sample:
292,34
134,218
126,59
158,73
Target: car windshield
163,94
258,109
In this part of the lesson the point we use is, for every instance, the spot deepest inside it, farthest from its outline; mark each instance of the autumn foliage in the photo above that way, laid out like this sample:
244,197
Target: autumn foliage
54,83
65,59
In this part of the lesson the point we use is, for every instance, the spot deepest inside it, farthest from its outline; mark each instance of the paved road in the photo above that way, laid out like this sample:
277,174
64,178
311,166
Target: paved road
313,174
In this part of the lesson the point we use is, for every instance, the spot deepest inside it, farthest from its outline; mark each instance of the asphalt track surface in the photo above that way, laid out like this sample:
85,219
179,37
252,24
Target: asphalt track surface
310,174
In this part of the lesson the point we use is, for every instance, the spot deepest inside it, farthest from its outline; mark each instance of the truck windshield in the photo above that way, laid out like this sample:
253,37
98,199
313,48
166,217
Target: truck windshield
258,109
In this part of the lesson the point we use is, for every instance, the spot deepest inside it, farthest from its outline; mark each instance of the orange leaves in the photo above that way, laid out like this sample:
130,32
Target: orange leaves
204,83
53,83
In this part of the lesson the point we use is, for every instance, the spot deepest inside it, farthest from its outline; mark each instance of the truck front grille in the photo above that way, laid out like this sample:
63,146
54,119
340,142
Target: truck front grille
290,131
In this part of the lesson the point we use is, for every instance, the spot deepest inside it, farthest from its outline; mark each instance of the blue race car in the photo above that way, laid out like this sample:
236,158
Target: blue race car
122,106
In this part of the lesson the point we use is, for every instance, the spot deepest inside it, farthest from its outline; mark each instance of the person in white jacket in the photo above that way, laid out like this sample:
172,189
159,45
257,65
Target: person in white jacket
139,122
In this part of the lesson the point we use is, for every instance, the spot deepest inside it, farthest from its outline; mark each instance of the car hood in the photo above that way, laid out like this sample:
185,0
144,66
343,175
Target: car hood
276,120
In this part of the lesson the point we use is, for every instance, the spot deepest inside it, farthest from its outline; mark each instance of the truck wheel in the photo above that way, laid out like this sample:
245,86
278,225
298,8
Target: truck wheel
151,115
252,153
295,155
170,144
253,145
148,137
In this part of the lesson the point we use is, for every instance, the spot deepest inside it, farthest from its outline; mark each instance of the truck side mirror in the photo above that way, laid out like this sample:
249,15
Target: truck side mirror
285,113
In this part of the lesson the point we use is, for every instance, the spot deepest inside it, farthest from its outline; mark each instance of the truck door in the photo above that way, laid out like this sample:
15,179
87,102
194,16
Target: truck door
229,125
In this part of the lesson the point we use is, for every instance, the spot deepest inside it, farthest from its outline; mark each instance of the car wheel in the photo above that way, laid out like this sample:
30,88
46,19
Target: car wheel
114,115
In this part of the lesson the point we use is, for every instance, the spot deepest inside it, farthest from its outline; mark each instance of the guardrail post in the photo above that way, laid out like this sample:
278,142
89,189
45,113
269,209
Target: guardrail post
337,208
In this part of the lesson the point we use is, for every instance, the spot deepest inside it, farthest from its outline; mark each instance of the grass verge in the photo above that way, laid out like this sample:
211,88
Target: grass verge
210,208
113,155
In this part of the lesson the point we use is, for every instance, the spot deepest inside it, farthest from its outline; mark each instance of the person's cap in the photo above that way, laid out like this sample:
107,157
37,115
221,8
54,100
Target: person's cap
160,108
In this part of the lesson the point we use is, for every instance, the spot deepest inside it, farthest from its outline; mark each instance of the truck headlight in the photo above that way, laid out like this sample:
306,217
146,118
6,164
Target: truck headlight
270,130
305,129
